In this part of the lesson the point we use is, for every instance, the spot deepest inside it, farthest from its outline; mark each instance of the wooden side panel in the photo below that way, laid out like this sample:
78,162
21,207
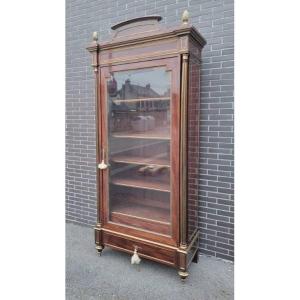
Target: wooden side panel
193,146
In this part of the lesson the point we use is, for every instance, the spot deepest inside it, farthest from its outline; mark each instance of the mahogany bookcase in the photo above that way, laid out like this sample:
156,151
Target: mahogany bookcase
147,87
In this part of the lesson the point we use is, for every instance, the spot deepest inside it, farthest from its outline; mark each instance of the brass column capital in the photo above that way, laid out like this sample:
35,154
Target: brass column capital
94,50
185,57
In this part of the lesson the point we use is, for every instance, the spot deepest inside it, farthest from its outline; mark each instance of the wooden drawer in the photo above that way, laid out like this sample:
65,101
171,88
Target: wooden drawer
145,249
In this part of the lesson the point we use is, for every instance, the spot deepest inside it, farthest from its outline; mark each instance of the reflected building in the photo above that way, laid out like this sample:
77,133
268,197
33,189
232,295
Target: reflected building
132,103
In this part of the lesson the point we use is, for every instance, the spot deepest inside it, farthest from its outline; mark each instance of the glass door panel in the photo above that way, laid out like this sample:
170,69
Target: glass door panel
139,148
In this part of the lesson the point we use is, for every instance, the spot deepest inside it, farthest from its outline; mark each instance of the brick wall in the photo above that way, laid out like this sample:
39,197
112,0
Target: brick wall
214,19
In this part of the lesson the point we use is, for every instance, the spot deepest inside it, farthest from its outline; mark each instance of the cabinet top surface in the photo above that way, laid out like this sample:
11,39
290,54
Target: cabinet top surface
139,30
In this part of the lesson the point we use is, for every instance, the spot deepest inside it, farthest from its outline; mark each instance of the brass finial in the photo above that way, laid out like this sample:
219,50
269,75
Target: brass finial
95,36
185,17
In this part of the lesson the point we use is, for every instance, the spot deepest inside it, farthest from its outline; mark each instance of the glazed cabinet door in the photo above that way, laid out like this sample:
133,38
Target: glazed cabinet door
140,148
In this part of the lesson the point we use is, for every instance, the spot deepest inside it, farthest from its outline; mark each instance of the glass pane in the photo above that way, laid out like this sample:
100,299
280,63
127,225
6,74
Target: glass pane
139,148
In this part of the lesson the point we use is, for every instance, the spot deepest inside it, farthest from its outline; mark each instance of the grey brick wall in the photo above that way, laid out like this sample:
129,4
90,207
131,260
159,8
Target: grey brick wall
214,19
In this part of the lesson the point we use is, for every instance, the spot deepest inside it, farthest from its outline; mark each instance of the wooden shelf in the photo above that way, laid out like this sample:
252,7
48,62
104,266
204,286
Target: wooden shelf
133,179
145,212
130,147
130,159
158,133
140,99
147,217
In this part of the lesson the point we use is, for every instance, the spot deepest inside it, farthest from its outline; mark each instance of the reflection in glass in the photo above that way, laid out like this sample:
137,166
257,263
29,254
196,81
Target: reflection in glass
139,148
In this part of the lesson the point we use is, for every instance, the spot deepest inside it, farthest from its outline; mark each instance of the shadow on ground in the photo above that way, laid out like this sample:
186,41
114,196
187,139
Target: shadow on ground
112,277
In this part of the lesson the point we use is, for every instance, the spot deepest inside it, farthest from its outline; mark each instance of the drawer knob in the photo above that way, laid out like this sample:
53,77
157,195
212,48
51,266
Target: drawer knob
135,259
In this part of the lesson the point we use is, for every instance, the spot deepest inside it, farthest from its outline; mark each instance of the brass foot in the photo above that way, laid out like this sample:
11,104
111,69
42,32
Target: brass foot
183,275
99,249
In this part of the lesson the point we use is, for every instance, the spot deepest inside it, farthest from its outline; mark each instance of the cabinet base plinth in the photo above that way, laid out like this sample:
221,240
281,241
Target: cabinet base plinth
159,252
